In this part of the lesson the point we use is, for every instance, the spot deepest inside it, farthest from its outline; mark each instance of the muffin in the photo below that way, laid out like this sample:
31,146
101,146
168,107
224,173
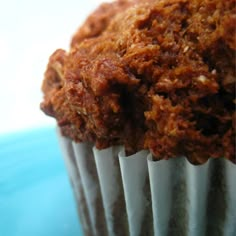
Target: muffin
145,106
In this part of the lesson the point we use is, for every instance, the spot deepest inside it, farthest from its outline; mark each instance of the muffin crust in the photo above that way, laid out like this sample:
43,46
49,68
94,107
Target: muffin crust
157,75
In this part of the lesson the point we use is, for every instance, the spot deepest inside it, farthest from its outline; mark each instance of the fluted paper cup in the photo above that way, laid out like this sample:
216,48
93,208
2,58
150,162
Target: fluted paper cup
134,195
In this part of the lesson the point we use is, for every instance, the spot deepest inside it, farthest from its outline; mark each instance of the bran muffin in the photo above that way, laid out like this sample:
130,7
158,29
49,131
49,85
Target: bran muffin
157,76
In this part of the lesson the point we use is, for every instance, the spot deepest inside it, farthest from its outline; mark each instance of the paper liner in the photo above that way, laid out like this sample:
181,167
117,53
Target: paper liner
134,174
112,192
161,192
197,186
90,183
221,212
167,197
70,162
179,191
230,175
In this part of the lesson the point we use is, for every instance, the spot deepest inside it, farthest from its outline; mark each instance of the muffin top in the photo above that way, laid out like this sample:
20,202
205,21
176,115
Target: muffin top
157,75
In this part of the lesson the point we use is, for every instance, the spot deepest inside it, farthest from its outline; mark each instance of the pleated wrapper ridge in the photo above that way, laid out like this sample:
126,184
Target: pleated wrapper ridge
134,195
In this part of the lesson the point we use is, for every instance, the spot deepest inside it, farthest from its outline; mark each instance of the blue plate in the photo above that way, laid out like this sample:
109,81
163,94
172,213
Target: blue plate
35,194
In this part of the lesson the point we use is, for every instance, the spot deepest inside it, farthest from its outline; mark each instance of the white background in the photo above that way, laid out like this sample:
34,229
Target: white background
30,31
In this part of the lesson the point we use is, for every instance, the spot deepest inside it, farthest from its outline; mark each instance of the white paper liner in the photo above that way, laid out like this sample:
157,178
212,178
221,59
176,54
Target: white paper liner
134,173
71,165
162,185
109,179
160,175
230,224
197,186
186,199
89,179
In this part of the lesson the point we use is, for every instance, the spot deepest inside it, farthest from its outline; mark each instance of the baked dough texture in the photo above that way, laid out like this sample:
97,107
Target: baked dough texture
157,75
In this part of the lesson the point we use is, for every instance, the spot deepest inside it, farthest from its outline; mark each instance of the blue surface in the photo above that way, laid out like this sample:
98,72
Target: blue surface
35,194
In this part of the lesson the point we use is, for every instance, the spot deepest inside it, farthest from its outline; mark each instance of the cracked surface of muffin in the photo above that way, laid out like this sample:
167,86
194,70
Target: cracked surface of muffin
157,75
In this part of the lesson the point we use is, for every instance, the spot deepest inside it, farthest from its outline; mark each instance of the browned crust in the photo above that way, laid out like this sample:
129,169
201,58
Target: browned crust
155,74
